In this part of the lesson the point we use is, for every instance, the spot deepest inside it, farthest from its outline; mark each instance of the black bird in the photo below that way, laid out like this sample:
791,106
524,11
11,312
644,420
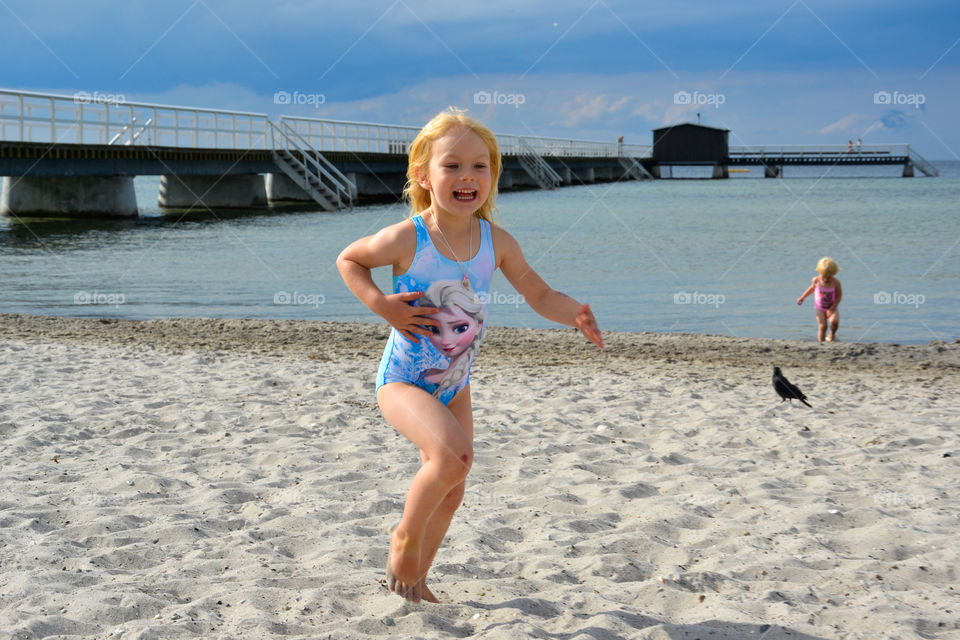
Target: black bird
786,389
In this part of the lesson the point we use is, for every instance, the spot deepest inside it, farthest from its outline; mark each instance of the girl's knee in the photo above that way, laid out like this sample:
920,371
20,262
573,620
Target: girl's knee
453,465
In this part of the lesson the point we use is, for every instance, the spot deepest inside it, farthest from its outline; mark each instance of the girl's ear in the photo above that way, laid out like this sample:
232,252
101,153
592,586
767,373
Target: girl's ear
422,178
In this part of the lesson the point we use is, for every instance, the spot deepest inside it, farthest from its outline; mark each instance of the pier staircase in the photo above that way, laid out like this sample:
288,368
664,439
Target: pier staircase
921,163
131,134
310,170
538,168
633,168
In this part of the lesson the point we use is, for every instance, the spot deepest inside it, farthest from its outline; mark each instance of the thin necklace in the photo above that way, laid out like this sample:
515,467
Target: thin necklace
436,221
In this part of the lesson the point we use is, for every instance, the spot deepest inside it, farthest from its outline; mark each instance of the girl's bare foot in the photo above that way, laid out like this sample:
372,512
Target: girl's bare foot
426,594
403,574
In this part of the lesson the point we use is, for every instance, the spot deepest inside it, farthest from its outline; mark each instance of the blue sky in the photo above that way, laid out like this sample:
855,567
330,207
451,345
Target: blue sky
772,71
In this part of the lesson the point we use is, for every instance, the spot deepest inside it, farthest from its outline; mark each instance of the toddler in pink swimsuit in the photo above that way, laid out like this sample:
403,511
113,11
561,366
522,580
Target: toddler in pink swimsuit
827,293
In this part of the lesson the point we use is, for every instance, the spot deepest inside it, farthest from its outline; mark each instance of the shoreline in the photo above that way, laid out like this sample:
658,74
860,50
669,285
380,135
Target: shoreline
324,340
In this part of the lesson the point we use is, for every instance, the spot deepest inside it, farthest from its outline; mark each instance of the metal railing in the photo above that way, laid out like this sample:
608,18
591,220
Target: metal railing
567,148
358,137
369,137
83,119
820,151
26,116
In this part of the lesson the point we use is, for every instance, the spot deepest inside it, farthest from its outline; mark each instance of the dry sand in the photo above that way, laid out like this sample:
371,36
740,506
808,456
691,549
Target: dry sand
234,479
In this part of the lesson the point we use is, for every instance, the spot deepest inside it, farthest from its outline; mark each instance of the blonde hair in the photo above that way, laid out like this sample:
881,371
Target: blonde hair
418,157
449,293
827,267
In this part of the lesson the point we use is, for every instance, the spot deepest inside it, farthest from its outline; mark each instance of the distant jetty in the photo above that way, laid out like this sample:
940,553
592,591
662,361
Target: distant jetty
76,156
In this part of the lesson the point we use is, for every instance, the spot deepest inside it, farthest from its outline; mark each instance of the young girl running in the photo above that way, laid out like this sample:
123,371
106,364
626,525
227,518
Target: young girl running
827,294
443,258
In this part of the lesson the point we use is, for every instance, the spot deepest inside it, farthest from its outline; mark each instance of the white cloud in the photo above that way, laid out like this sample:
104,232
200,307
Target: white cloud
847,124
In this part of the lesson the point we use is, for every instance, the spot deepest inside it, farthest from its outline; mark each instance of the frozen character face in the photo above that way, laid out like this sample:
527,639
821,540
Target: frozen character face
456,331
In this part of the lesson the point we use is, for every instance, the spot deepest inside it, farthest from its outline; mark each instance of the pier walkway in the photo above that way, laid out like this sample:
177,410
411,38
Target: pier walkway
77,155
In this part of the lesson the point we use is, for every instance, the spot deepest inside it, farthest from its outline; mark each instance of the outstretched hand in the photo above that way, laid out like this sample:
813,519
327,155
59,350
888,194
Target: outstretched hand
588,326
406,318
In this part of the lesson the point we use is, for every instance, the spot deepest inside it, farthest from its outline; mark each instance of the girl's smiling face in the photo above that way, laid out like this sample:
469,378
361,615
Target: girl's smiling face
458,174
456,331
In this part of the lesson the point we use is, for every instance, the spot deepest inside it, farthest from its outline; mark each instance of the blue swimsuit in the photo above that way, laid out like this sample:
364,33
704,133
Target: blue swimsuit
440,363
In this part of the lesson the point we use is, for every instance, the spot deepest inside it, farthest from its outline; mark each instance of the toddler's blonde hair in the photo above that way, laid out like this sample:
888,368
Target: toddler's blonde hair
827,267
418,157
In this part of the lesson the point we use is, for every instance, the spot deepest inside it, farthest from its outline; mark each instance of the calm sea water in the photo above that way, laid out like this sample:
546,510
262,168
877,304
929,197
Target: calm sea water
725,257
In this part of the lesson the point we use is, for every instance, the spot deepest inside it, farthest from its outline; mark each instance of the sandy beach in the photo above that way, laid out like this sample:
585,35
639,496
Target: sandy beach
234,479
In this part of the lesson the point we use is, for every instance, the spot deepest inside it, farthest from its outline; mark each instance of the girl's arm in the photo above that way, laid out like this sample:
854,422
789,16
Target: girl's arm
813,285
549,303
389,246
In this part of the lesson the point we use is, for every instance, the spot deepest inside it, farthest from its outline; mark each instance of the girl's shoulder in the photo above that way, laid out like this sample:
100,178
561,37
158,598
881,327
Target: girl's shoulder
402,232
396,243
503,242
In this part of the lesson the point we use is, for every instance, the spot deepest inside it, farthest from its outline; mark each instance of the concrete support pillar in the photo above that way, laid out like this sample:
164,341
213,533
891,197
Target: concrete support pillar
608,173
720,171
771,171
245,191
379,184
585,175
69,197
655,171
908,170
565,174
506,180
280,188
522,179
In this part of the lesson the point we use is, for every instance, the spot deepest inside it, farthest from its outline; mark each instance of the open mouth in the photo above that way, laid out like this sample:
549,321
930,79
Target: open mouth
465,195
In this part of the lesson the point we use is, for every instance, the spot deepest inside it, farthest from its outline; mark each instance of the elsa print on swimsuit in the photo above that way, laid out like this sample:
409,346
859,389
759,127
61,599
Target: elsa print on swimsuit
457,338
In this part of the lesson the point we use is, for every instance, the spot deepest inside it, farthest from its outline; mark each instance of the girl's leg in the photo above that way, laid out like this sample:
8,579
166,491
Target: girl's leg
439,522
821,325
834,319
434,429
